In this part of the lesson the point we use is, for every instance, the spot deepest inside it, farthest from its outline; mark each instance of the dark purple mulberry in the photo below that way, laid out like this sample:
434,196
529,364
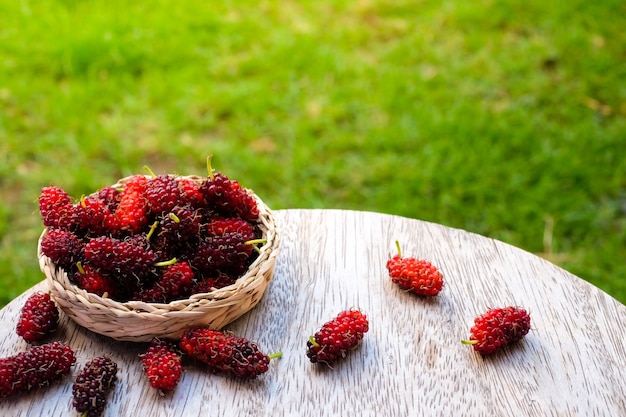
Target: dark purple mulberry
180,225
54,203
162,193
131,266
92,385
175,283
227,252
63,248
35,367
222,225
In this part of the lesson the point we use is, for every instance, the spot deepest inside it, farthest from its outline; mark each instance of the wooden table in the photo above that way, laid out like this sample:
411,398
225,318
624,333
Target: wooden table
411,362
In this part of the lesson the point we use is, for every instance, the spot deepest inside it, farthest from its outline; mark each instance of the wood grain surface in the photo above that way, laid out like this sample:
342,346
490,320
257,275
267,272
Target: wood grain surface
411,362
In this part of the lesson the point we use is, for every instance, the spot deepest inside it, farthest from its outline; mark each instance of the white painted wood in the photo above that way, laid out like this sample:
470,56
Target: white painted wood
411,362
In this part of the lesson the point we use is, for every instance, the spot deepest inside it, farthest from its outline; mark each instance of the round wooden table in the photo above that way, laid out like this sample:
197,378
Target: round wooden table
411,362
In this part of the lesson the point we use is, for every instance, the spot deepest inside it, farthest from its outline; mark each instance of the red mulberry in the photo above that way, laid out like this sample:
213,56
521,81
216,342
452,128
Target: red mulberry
337,337
222,352
414,275
497,328
35,367
39,316
162,365
132,210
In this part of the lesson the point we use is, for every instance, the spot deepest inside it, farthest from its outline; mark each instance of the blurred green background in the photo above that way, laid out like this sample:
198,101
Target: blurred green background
505,118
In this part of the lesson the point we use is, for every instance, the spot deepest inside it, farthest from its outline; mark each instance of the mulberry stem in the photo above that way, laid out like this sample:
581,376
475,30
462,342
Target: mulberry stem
209,167
398,246
313,342
166,263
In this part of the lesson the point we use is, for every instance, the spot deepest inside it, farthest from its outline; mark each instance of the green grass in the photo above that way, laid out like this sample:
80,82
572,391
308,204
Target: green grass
503,118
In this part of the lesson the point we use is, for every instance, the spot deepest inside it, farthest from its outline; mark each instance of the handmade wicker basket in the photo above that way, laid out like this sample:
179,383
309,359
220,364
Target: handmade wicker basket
140,321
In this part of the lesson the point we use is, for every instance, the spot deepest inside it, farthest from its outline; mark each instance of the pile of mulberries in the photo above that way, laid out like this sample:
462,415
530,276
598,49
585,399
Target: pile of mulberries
155,238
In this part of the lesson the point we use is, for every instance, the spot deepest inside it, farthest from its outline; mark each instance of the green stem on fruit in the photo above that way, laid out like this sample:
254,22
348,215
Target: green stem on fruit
81,270
166,263
82,201
254,242
174,218
313,342
469,342
275,355
152,229
150,172
398,246
209,167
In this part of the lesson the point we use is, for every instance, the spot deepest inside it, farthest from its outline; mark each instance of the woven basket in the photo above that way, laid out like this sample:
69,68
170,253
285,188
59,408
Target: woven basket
140,321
